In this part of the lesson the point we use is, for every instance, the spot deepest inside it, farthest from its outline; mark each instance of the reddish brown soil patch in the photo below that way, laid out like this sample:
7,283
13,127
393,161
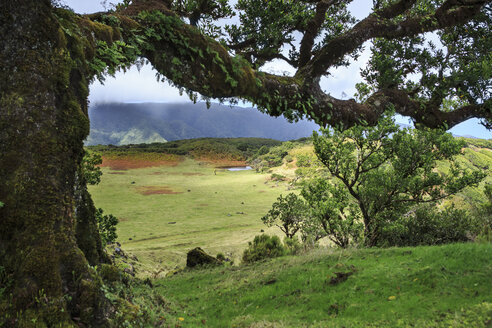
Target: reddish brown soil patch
156,173
203,205
261,191
122,219
126,163
156,190
116,172
188,174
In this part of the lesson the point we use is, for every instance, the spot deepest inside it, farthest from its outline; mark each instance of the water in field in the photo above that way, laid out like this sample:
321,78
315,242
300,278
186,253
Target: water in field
239,168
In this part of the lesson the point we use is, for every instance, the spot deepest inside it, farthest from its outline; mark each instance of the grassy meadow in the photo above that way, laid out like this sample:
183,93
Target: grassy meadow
172,197
165,211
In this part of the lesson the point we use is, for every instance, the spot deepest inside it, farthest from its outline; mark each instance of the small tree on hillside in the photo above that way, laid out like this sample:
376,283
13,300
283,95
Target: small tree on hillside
387,170
287,213
332,210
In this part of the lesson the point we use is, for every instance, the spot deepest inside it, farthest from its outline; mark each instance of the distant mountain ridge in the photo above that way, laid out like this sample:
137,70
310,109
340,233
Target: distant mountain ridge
132,123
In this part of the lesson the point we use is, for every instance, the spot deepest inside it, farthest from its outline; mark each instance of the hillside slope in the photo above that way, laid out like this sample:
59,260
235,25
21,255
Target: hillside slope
446,286
119,123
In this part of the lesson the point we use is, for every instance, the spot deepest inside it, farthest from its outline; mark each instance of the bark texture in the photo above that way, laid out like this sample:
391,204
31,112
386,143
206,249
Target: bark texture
43,121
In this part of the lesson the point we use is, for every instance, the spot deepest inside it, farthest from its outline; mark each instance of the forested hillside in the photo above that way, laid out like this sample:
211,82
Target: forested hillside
132,123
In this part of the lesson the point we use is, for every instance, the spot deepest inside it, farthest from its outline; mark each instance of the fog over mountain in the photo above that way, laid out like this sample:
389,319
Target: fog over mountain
126,123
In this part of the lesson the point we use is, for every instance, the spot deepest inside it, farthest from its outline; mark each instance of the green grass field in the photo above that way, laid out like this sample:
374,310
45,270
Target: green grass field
219,213
437,286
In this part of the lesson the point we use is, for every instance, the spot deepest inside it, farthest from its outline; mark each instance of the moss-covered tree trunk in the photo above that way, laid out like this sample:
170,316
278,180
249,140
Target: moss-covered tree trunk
46,279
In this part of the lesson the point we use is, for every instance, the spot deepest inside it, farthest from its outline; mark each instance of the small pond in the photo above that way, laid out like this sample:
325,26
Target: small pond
238,168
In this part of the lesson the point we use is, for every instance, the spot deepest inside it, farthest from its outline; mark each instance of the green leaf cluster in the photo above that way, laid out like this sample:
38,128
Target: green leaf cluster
288,213
107,226
387,170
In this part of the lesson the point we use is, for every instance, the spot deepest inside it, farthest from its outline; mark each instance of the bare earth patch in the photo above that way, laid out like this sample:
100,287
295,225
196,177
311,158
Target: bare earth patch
117,172
156,190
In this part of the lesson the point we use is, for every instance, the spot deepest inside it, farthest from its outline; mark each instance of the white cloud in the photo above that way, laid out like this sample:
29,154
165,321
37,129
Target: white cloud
134,86
90,6
343,79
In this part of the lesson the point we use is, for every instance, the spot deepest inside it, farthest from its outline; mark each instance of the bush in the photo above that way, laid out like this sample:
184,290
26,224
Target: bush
429,226
263,150
107,226
277,177
292,245
484,215
263,247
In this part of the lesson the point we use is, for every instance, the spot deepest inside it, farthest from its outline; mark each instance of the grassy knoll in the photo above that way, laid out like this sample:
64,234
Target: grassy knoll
446,286
165,211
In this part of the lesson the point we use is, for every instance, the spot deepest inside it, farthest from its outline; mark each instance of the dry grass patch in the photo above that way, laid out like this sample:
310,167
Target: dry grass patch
156,190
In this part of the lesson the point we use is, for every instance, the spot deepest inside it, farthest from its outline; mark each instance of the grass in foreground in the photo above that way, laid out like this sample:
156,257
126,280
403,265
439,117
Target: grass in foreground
445,286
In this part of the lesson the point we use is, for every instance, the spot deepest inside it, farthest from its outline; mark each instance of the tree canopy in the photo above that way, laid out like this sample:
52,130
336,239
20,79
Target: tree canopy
50,249
430,59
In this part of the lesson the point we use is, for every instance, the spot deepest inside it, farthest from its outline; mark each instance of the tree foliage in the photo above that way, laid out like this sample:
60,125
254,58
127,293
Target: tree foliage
287,213
107,226
431,59
333,213
387,170
90,168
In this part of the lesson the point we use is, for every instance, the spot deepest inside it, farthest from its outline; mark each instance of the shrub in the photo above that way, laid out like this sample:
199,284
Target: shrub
107,226
277,177
263,247
426,225
263,150
292,245
485,215
289,159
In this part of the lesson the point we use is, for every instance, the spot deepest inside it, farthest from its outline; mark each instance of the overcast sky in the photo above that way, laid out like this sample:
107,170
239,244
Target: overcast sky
142,86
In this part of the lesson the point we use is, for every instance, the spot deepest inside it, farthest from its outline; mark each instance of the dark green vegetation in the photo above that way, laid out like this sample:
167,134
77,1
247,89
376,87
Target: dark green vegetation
239,149
387,171
49,242
263,247
287,213
446,286
119,124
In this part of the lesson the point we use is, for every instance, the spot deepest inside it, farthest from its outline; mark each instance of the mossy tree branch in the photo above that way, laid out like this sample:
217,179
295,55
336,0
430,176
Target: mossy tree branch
198,63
